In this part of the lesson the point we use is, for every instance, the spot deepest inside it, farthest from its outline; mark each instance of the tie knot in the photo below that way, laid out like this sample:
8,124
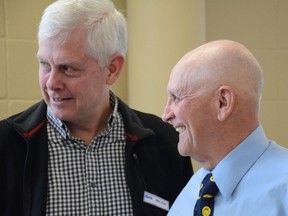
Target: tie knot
208,188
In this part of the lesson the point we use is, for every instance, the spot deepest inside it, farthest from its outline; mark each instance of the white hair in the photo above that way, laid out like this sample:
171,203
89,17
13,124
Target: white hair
106,27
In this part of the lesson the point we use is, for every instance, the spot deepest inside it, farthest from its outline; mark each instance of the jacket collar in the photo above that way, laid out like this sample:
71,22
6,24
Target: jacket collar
30,121
133,126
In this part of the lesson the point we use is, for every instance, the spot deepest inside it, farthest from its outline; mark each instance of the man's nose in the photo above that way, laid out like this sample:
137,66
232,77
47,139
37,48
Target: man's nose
54,81
167,114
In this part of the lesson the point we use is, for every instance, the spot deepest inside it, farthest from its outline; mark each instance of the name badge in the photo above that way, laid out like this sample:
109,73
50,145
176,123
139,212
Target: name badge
156,201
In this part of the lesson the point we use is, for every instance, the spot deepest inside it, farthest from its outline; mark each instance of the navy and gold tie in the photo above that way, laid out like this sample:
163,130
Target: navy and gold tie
205,203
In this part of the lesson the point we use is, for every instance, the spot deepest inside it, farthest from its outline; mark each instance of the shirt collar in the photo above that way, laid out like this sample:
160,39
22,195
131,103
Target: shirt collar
229,172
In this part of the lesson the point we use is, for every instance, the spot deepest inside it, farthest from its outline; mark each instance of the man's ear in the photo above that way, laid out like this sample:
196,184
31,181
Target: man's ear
226,99
115,68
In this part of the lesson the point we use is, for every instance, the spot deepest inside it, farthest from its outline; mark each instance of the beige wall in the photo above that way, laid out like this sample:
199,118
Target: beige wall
18,46
160,32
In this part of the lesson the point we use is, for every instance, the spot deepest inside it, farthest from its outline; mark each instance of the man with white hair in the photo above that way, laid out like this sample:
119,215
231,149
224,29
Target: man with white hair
81,150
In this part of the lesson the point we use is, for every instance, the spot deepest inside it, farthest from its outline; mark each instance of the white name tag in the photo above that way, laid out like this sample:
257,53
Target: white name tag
156,201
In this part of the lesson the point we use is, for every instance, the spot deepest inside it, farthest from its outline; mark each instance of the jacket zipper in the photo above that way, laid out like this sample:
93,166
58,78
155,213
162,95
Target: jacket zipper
137,165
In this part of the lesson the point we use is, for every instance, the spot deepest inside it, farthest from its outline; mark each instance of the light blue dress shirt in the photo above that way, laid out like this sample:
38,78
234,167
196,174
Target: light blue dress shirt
252,181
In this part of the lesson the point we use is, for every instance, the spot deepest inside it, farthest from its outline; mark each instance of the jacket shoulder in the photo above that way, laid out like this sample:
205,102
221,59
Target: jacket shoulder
27,120
155,123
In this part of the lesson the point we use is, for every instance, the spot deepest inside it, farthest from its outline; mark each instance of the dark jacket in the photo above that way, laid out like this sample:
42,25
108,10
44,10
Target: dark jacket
153,163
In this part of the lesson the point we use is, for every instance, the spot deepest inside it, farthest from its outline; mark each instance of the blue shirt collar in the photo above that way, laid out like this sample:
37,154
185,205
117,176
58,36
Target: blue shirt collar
229,171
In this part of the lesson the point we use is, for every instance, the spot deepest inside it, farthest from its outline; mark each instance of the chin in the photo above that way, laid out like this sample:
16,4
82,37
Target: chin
183,151
60,115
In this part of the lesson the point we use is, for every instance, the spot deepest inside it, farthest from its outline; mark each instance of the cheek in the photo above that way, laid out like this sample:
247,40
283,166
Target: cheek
89,89
184,111
194,118
42,81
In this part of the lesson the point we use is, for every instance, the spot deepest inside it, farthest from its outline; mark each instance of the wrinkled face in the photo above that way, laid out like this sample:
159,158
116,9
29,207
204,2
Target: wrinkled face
191,110
72,83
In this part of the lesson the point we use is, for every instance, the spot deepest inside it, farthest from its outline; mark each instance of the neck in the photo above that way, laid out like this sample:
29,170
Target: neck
89,129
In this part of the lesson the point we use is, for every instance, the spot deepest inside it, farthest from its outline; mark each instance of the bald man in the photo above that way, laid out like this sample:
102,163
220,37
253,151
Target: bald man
214,95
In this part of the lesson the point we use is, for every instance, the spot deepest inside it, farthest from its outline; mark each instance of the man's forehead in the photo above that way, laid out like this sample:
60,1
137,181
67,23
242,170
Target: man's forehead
177,81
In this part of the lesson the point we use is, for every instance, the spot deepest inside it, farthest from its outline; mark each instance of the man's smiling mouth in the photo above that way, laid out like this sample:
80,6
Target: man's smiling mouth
180,129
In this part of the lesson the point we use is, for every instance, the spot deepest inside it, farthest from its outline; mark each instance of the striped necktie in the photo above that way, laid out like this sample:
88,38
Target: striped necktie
205,203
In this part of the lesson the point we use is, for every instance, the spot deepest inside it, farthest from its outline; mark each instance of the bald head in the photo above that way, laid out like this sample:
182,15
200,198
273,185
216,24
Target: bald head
223,62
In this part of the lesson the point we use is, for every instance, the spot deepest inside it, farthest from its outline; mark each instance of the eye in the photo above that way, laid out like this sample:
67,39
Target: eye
175,98
44,66
69,70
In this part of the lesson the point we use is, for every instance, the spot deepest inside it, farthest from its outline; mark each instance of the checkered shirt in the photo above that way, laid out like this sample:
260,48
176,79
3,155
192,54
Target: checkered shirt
87,179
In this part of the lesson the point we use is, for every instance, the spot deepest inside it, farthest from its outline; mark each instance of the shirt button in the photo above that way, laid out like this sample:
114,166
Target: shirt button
92,184
89,148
